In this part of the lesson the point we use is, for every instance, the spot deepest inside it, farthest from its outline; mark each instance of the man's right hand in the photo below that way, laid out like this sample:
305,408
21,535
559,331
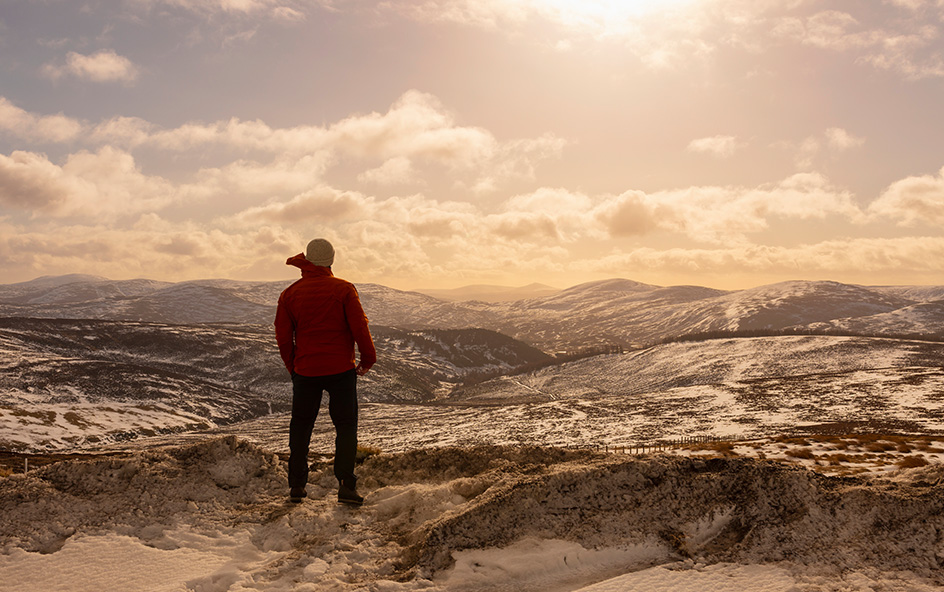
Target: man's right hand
361,370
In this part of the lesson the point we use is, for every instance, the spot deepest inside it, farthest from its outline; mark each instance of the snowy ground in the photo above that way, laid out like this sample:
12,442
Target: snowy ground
212,516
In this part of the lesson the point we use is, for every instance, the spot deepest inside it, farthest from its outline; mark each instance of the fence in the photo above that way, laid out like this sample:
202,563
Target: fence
660,445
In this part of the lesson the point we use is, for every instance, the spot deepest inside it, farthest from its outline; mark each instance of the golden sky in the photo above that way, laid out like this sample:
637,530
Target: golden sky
440,143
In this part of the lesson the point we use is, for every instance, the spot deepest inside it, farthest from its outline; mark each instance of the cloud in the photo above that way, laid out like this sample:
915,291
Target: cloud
27,126
322,204
840,140
28,181
416,128
913,201
894,36
859,257
153,248
719,146
415,138
905,44
290,10
103,185
716,214
632,213
526,236
397,170
834,141
102,66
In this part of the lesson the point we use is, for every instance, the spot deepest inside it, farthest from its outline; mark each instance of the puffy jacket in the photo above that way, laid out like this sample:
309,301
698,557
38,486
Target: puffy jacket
318,320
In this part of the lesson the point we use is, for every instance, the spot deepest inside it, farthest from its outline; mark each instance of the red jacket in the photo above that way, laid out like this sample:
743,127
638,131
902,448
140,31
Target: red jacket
318,321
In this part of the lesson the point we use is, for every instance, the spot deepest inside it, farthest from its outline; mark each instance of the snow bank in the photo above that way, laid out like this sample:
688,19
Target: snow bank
716,510
134,494
214,517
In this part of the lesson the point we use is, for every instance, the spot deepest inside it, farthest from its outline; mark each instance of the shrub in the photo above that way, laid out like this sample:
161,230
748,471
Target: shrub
838,459
880,447
805,453
910,462
364,452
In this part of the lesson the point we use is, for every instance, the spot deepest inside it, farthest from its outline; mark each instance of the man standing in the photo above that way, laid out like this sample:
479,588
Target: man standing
318,321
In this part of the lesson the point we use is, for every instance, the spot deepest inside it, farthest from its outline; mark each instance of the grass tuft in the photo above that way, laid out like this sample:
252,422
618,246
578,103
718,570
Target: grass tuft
804,453
911,462
364,452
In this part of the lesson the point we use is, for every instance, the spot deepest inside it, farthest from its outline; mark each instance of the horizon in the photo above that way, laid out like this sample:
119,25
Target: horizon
471,287
685,142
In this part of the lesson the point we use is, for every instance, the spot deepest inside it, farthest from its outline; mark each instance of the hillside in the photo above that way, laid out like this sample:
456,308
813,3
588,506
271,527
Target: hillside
79,382
616,311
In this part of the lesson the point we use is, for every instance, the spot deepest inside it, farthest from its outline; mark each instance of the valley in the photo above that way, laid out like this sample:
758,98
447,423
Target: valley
603,364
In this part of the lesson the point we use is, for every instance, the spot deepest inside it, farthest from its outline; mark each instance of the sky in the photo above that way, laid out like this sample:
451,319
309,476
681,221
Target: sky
442,143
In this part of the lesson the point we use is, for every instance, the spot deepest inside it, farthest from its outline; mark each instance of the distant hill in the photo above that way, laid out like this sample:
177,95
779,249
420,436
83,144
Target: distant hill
758,385
617,311
491,293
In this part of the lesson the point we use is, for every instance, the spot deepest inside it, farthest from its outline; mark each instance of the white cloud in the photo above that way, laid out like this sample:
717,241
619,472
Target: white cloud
719,146
28,181
397,170
416,128
102,66
840,140
681,33
896,44
279,9
322,204
725,214
103,185
860,258
834,141
632,213
47,128
152,248
913,201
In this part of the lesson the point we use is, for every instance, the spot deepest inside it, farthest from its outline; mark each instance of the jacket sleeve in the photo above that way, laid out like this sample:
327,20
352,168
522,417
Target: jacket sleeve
285,335
357,321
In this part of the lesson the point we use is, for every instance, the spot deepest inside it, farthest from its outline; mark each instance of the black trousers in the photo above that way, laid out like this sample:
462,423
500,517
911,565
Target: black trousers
342,406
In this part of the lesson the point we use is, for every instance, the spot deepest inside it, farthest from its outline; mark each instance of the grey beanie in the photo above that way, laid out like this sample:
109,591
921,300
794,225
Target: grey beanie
320,252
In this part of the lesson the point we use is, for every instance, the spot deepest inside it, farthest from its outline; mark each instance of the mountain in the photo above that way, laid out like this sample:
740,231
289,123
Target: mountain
608,312
491,293
752,371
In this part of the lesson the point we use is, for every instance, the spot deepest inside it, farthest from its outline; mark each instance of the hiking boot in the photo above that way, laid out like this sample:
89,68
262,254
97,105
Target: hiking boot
297,494
347,494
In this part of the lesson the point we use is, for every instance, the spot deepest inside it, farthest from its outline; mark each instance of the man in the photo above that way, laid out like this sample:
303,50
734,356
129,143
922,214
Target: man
318,321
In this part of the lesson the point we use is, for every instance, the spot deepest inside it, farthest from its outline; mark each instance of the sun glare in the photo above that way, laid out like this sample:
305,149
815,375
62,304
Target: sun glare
604,15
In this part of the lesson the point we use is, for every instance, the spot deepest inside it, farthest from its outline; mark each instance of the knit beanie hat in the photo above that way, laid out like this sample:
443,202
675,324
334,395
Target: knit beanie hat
320,252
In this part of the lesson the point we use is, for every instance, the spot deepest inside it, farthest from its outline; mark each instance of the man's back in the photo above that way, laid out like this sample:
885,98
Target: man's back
318,321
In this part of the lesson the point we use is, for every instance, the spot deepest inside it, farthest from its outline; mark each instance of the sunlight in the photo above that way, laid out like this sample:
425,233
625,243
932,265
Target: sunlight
605,15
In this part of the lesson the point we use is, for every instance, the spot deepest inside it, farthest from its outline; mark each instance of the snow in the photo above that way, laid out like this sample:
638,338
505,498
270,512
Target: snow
95,563
213,517
717,578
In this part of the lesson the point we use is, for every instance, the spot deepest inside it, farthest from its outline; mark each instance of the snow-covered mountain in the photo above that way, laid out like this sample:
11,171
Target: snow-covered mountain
194,354
615,311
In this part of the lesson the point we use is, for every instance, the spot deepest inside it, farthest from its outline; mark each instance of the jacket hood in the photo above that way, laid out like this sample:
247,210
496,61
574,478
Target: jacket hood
308,268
